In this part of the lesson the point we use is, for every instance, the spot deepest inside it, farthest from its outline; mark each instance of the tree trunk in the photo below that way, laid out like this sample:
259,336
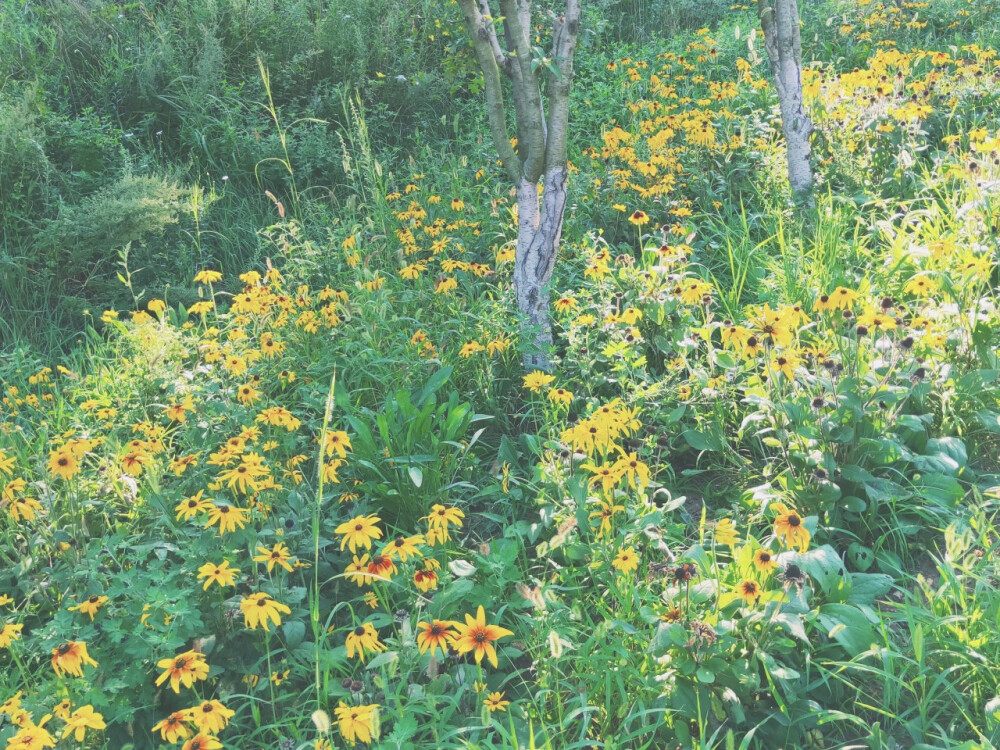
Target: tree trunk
539,230
779,19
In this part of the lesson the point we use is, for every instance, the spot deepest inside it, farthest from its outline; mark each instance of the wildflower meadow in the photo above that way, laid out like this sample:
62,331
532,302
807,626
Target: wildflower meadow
305,444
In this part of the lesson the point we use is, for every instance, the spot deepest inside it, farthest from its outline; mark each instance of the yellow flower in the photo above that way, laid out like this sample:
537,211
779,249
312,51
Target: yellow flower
606,514
202,742
229,517
356,722
337,442
70,657
359,531
361,639
920,286
211,717
764,561
638,218
626,561
173,727
207,277
495,702
469,348
534,381
183,669
276,556
441,518
9,633
404,547
63,463
425,579
90,605
560,396
220,574
630,467
725,533
842,298
446,285
189,507
433,635
260,609
749,591
81,720
479,637
788,527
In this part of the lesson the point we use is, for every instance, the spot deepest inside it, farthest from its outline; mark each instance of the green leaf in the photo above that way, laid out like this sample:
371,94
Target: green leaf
295,631
848,626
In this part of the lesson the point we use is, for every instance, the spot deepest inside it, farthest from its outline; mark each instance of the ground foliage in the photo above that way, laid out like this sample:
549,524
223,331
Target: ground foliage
305,496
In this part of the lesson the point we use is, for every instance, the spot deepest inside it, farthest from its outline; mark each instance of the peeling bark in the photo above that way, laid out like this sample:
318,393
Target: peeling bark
538,169
779,20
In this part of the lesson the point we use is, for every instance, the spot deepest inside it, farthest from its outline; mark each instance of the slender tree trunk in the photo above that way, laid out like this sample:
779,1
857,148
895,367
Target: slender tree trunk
539,230
541,144
779,19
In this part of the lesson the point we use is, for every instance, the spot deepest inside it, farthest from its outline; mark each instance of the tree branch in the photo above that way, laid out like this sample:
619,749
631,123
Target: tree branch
479,32
564,46
532,148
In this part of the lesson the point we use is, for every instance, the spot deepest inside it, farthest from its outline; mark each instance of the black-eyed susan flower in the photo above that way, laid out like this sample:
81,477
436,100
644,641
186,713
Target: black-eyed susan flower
478,637
359,532
725,533
9,633
560,396
469,348
337,442
81,720
605,513
638,218
536,380
228,517
261,609
211,717
362,639
62,709
220,574
173,728
357,571
381,567
749,591
90,605
278,555
63,463
626,561
184,669
31,736
764,561
788,527
70,657
636,472
189,507
433,635
207,276
404,547
356,723
425,579
495,702
202,742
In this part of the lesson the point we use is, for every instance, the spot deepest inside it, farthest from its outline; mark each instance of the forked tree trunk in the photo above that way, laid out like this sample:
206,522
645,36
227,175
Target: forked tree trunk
779,20
538,233
541,153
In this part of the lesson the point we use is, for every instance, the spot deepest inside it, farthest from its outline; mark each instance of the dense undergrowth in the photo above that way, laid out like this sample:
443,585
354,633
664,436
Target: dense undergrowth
285,484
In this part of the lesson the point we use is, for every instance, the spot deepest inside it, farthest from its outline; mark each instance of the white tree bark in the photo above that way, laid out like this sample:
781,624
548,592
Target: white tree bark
779,20
541,155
